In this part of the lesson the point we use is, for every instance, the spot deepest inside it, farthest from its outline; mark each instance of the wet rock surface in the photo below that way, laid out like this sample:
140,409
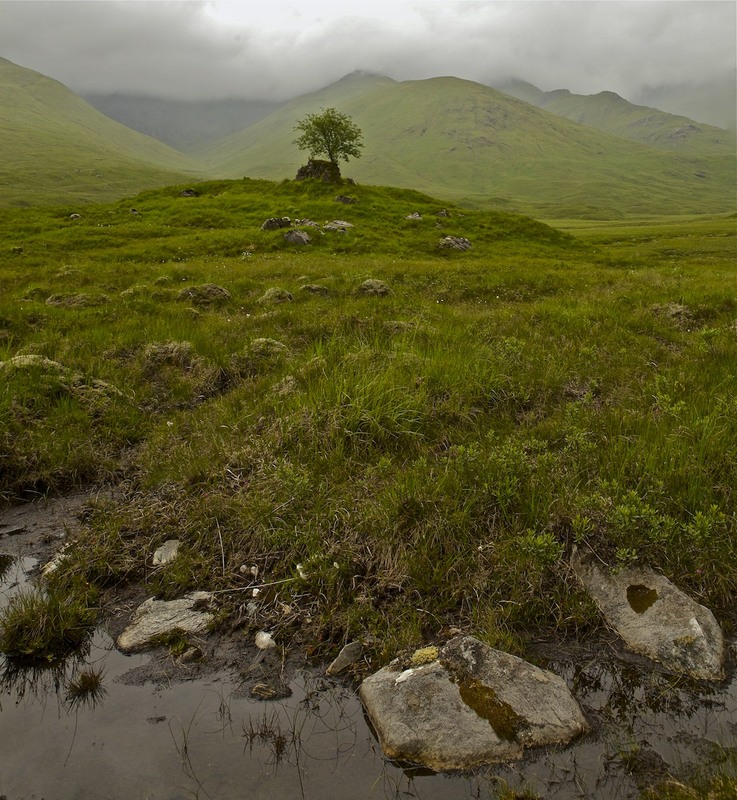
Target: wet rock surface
471,706
156,618
656,619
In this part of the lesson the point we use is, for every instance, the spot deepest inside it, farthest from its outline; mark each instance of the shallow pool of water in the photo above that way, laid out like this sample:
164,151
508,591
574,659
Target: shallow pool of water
203,739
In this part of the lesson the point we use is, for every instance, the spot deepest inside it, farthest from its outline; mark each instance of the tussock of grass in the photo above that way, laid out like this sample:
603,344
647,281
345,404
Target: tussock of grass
428,457
45,625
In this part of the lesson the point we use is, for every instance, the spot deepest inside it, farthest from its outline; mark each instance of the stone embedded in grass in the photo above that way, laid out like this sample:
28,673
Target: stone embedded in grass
33,361
267,349
314,288
414,215
454,243
207,294
350,654
656,619
297,237
188,193
373,287
166,553
156,618
470,706
276,295
275,223
173,354
342,198
339,225
80,300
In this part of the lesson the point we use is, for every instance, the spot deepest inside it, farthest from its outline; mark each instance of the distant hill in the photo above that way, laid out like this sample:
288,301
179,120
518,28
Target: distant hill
608,112
455,138
184,125
56,148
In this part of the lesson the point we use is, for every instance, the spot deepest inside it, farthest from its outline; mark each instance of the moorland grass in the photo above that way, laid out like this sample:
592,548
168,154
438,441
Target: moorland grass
391,466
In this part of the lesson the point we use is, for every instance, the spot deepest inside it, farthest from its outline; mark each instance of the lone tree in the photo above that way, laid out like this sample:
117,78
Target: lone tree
331,134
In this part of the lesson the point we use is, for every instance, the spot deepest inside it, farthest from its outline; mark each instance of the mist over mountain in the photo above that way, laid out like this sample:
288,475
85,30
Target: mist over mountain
185,125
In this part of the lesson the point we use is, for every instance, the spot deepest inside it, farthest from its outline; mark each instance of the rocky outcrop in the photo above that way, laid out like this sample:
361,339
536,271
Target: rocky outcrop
471,705
326,171
656,619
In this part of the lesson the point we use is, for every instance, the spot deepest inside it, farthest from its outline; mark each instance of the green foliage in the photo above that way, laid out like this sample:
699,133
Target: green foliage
329,133
392,465
46,625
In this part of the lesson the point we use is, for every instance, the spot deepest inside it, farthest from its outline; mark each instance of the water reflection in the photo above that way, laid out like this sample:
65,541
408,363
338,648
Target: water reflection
206,738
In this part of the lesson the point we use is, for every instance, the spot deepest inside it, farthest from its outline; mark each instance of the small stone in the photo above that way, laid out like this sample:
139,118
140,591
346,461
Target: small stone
350,654
190,654
166,553
341,198
414,215
264,641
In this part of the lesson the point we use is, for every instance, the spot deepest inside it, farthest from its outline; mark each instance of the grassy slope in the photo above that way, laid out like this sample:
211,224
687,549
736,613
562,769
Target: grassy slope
448,442
610,113
459,139
57,148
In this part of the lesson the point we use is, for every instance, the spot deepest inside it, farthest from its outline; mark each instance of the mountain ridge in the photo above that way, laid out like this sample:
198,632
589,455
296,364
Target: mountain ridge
444,136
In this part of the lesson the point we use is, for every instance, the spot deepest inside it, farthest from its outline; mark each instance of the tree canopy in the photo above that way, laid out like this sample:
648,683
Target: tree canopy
330,134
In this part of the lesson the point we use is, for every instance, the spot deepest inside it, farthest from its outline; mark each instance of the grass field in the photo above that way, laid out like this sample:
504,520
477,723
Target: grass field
392,464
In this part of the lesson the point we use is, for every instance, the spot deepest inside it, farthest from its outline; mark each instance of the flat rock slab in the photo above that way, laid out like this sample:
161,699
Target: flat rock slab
656,619
156,618
473,705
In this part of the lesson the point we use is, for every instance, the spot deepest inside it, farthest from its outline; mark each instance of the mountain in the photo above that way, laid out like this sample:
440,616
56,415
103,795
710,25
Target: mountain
56,148
184,125
608,112
463,140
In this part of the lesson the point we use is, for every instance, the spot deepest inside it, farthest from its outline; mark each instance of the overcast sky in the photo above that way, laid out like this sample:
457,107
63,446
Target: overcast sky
278,50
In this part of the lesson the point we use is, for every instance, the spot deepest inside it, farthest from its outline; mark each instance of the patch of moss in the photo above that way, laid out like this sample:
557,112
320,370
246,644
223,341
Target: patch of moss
505,721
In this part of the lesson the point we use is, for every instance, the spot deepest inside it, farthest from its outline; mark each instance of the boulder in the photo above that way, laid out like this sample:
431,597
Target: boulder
275,223
471,705
454,243
156,618
297,237
656,619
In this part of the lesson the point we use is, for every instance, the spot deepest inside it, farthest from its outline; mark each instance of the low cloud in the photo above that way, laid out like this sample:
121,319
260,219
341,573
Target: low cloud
186,50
